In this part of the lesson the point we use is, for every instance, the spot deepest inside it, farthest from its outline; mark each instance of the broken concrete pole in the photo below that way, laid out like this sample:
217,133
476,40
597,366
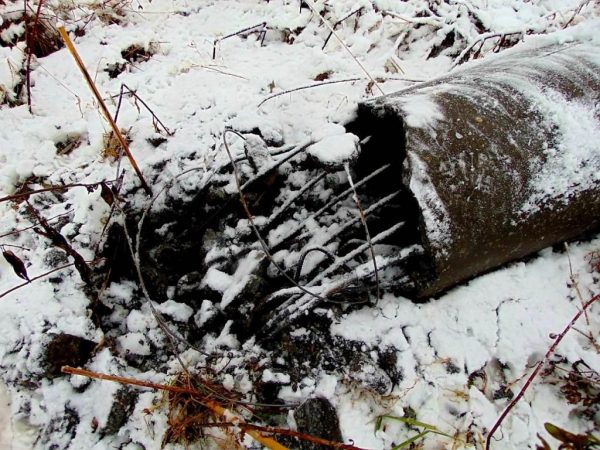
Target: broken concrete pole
502,158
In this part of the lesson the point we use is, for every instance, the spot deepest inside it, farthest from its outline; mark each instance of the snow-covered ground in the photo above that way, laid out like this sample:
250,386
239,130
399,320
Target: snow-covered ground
456,360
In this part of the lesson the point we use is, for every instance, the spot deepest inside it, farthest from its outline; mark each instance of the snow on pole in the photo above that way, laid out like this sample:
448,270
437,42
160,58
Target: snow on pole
501,156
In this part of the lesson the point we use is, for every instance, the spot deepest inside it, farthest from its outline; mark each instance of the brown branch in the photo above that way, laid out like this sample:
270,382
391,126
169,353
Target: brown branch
31,280
282,432
30,40
537,369
103,107
210,404
53,188
207,402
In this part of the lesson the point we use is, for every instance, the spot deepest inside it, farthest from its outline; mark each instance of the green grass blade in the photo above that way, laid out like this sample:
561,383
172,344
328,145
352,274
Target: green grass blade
411,440
413,422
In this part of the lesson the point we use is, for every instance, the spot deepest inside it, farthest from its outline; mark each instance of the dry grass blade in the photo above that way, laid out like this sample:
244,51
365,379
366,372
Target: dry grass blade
103,107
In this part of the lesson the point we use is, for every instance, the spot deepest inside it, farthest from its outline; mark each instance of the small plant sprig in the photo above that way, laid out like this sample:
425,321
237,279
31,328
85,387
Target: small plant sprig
427,429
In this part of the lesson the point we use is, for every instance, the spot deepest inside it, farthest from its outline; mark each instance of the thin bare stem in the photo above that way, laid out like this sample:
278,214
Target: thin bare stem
416,20
14,246
305,254
30,38
51,189
347,16
103,107
254,28
138,98
31,280
21,230
311,5
480,40
324,83
537,369
289,91
575,283
576,12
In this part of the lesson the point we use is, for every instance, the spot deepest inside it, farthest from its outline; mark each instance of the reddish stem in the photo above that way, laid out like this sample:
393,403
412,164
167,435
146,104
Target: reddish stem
537,369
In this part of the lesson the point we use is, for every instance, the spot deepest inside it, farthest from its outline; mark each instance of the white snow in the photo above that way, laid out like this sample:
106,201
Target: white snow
498,324
420,111
178,311
569,165
335,149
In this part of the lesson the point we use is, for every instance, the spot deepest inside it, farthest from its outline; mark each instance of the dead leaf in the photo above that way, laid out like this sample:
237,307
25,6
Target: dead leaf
107,194
323,76
17,264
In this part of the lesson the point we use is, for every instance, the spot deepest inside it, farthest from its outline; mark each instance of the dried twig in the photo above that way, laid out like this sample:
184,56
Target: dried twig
537,369
103,107
480,40
31,280
207,402
155,118
311,5
89,186
305,437
261,28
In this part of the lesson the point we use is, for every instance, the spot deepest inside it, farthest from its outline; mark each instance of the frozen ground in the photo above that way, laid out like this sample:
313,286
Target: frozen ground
452,362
